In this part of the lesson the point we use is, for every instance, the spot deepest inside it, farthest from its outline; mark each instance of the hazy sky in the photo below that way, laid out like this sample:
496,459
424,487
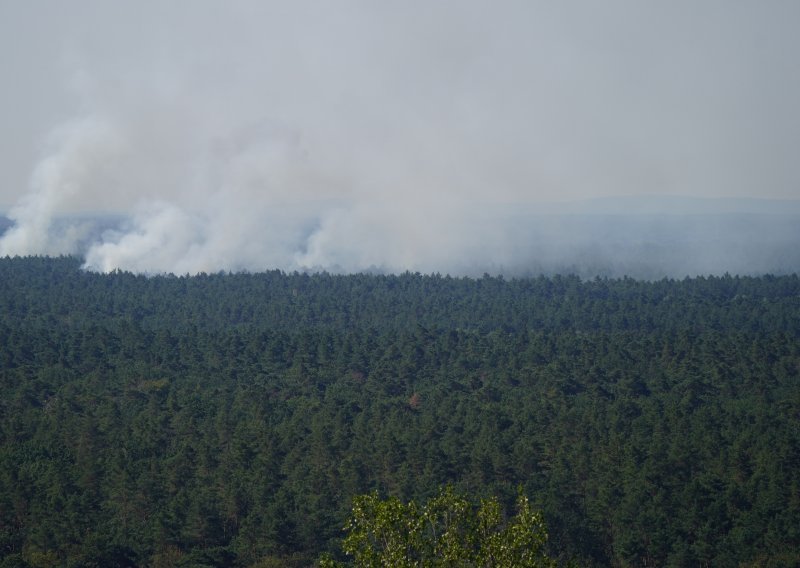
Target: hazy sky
355,121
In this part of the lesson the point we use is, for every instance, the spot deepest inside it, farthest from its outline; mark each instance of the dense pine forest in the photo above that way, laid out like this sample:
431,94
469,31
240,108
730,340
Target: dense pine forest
230,419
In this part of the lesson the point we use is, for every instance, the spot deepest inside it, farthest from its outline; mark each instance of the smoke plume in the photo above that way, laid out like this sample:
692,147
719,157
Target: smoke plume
432,137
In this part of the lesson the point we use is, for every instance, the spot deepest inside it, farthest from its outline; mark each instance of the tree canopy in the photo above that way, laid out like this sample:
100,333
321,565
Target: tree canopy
447,530
231,419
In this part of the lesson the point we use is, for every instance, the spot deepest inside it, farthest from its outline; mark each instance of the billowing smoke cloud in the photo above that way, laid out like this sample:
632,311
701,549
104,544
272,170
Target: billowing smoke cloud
82,152
423,136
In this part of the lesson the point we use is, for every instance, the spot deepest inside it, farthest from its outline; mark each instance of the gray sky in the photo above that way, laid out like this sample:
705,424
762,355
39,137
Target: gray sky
365,115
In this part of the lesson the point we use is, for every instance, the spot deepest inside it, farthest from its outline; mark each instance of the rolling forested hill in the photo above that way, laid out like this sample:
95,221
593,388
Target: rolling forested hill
229,419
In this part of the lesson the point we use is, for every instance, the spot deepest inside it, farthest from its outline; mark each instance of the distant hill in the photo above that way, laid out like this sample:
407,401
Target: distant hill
673,205
649,237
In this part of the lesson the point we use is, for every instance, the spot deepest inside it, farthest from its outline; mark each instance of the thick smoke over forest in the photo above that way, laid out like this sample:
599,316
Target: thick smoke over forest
352,137
256,199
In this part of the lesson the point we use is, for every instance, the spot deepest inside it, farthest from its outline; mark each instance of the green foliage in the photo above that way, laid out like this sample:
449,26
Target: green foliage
231,418
446,531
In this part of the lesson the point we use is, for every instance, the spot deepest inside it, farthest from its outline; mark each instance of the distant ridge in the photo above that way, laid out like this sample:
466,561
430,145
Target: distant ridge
664,205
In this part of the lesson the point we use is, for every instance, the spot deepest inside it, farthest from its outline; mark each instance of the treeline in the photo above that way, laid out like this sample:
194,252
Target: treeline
40,290
229,419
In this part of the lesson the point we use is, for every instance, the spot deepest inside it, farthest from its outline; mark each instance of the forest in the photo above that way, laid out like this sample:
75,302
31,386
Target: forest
230,419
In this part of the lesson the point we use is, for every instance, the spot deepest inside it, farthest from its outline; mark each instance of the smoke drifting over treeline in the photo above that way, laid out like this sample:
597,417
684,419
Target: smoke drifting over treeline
430,137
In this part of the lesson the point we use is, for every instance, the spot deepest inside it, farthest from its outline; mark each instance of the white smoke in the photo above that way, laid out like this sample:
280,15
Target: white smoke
206,196
354,135
82,155
160,234
210,188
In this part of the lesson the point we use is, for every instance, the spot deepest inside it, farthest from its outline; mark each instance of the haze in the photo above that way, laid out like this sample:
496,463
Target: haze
433,136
